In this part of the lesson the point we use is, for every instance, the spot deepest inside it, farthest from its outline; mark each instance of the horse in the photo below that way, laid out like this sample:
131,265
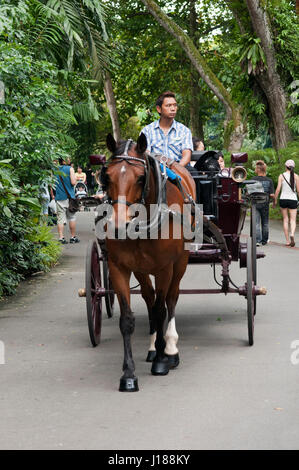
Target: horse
129,179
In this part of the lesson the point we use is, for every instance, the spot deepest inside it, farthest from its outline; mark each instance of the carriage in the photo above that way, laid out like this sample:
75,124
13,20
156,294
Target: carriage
227,198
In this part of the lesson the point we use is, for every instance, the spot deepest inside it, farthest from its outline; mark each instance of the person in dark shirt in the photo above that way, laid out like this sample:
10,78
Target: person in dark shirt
64,186
89,179
262,210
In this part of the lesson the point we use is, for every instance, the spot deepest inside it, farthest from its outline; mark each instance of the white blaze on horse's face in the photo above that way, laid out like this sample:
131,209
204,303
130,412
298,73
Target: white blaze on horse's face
123,169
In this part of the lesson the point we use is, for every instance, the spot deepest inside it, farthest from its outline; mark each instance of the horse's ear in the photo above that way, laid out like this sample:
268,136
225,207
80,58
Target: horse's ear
111,144
141,144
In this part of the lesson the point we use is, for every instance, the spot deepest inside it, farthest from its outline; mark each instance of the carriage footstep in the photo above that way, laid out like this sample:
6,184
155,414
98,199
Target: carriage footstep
160,367
128,384
173,360
151,356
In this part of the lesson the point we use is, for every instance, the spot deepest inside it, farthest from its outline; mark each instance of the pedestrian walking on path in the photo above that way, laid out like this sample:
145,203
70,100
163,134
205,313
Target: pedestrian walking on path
288,185
65,181
262,210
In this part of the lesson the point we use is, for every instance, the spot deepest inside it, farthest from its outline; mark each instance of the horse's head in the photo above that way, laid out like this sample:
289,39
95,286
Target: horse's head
126,177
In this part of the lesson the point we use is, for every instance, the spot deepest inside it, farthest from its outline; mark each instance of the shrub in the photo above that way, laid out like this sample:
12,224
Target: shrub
25,245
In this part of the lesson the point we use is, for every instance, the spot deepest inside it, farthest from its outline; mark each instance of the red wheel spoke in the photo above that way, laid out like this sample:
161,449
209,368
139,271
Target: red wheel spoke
93,301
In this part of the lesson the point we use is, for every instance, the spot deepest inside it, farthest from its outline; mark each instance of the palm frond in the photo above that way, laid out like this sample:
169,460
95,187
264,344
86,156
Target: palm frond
86,111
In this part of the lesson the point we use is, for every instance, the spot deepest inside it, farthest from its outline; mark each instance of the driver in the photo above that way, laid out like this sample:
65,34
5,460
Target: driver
169,137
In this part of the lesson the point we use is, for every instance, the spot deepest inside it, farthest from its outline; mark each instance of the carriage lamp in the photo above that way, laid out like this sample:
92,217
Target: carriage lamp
239,158
239,174
97,159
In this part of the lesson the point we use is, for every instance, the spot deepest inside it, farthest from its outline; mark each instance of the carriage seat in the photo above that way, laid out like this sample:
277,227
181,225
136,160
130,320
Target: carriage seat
208,167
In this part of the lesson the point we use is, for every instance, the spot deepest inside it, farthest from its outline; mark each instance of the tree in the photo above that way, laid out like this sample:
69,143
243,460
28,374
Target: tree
254,17
234,125
34,120
196,123
83,25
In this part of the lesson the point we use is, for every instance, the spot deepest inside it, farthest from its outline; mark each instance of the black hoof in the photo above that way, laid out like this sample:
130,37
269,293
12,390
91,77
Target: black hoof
173,360
160,366
128,384
151,356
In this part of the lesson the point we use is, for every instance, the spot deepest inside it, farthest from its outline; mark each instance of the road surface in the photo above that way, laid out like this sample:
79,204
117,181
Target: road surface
58,392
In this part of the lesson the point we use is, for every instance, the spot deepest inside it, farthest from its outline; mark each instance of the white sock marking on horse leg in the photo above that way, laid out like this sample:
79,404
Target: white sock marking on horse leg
152,342
171,338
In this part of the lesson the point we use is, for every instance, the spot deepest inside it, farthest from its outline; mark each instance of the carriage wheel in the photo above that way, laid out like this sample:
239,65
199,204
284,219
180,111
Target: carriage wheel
93,301
250,293
109,298
253,237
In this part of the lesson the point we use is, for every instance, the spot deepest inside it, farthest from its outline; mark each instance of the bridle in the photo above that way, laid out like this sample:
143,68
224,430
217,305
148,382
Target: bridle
131,160
161,210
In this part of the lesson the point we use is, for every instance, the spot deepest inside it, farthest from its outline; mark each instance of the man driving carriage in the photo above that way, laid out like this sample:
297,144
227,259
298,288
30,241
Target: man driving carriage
169,137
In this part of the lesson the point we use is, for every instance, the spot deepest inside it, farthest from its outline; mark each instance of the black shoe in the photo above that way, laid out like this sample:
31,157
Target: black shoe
74,240
63,241
264,243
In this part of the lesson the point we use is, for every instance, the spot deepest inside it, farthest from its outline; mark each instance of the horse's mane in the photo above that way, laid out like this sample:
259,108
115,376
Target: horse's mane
121,145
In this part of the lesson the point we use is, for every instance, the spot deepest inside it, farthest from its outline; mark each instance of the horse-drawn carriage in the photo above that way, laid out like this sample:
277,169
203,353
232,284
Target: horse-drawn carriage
226,199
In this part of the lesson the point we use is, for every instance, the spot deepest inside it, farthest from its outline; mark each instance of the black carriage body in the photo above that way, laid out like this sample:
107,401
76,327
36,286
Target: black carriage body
223,203
232,213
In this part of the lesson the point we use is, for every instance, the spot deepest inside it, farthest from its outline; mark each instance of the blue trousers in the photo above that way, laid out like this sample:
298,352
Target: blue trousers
262,223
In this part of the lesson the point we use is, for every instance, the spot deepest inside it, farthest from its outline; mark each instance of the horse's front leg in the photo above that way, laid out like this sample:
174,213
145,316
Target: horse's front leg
120,280
160,364
171,335
148,294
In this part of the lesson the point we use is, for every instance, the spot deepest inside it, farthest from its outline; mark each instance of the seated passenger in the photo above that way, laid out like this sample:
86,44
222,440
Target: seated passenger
198,144
223,170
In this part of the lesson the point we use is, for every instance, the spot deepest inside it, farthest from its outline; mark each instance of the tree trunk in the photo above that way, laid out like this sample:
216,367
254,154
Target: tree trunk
111,103
233,111
100,74
196,123
270,79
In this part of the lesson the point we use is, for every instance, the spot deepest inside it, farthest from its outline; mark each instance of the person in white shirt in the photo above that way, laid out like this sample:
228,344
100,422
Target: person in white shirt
288,184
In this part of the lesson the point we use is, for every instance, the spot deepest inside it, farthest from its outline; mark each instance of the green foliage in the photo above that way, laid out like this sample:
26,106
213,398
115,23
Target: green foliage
34,121
25,246
275,165
36,113
285,27
275,161
51,108
252,55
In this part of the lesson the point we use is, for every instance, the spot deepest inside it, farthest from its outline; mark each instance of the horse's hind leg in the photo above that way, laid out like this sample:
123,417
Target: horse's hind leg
171,335
148,294
120,280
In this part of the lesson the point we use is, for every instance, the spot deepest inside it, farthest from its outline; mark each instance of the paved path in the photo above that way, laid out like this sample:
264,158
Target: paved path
57,392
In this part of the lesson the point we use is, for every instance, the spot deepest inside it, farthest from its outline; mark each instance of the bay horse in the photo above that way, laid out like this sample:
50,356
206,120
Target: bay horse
129,175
